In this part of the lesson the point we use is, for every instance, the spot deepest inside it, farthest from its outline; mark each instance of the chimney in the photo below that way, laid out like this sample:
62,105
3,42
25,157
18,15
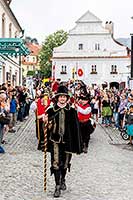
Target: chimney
109,25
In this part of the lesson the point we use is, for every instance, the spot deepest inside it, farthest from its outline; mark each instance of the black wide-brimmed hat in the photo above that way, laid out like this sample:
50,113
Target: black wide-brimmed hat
62,90
85,96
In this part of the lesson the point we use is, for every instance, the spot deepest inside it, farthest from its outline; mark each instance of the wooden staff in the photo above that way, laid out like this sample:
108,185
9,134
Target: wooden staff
45,101
45,156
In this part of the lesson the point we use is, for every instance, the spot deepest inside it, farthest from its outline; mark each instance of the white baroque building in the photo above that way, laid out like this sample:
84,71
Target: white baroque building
10,69
92,54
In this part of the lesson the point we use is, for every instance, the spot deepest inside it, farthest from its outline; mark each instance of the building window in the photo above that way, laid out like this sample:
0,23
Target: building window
34,59
16,75
80,46
93,69
113,69
16,34
27,59
10,73
3,25
10,30
27,68
8,76
97,46
63,69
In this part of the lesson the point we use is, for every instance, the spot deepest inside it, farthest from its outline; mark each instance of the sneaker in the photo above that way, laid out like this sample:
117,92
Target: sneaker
2,150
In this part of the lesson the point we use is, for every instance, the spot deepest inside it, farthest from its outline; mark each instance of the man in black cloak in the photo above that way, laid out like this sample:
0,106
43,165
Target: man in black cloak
64,137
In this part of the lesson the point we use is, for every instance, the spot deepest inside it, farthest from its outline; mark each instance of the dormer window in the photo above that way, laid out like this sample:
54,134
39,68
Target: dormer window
80,47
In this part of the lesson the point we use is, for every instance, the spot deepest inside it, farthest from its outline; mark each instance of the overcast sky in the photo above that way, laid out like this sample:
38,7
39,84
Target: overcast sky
43,17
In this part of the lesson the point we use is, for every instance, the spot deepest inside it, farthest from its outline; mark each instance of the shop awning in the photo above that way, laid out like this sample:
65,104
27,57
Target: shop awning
13,47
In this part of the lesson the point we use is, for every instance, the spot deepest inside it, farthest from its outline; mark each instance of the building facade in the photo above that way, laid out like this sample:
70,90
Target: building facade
10,66
92,54
30,63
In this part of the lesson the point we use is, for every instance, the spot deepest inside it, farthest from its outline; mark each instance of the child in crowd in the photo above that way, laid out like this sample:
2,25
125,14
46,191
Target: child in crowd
130,123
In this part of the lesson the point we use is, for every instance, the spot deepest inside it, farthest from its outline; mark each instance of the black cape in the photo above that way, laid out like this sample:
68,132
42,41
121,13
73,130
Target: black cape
72,135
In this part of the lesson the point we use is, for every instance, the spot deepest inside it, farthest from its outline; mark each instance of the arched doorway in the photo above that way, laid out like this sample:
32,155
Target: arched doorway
114,85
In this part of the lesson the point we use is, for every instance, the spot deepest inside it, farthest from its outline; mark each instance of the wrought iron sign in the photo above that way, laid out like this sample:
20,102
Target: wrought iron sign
13,47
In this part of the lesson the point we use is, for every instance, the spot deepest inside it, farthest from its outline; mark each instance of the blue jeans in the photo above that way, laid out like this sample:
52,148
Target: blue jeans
1,132
21,112
106,120
116,119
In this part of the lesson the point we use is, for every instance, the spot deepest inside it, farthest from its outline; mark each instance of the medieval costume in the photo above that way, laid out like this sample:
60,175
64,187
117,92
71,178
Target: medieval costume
39,106
64,137
84,115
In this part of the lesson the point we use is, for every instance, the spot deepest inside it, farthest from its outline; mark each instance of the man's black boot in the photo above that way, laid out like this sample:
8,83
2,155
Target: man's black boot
39,147
57,175
57,191
63,184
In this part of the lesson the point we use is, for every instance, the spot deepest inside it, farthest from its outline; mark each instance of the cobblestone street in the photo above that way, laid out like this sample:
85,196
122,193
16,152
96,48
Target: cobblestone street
105,173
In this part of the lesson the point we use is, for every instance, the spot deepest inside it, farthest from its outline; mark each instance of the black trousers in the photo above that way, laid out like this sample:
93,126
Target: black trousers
60,162
86,130
40,131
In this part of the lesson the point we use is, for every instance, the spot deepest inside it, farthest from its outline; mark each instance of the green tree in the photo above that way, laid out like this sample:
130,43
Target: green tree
53,40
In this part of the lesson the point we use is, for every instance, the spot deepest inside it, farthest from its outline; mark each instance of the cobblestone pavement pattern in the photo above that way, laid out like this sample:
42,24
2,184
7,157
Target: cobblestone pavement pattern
105,173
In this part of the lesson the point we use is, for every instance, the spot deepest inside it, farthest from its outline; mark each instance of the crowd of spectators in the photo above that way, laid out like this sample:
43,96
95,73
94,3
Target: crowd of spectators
110,107
14,104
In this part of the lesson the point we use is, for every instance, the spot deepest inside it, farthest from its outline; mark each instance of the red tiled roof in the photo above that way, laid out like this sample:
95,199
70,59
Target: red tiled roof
34,48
